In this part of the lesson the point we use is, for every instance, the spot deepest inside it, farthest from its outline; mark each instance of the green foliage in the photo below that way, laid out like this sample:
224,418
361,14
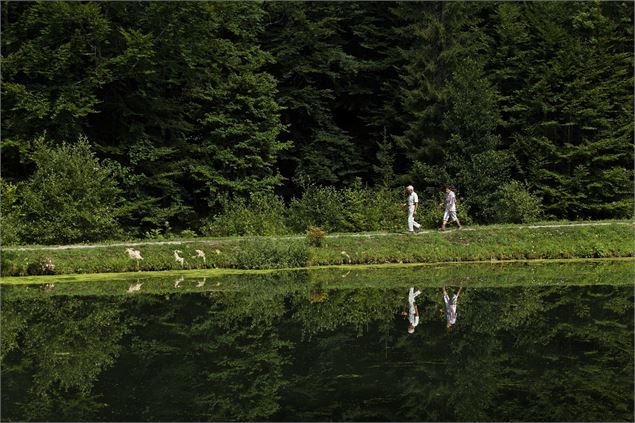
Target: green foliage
10,221
473,158
271,254
564,71
355,208
516,204
263,214
315,236
385,168
191,103
71,197
436,37
312,69
174,95
318,206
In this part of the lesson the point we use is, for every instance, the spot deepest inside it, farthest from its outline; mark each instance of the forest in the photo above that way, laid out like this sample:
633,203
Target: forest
144,119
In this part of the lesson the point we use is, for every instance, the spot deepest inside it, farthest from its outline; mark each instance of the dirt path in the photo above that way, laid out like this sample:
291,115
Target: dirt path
341,235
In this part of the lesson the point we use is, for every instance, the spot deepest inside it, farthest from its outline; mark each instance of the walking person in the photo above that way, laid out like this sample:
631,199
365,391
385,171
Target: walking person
413,310
450,307
413,204
450,208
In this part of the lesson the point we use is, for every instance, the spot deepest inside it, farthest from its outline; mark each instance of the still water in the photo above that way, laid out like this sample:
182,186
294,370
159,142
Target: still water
531,342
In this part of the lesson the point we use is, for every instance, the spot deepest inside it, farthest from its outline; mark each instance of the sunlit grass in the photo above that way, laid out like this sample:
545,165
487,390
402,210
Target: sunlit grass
497,243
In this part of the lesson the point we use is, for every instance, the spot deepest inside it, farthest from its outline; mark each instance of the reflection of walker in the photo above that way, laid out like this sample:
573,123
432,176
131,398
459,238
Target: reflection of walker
413,310
450,306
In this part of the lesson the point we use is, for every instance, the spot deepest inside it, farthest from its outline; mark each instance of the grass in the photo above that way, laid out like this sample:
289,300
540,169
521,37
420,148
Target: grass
489,243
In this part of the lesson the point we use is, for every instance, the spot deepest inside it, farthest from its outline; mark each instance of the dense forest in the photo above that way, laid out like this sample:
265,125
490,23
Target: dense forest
131,118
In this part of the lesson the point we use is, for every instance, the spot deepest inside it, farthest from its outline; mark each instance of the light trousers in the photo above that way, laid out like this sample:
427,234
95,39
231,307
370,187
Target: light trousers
411,219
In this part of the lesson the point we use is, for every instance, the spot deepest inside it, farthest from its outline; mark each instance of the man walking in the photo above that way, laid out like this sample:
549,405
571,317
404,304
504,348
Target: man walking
450,208
412,204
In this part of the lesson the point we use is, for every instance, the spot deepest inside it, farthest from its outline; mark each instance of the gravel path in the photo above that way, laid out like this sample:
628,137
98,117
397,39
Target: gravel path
342,235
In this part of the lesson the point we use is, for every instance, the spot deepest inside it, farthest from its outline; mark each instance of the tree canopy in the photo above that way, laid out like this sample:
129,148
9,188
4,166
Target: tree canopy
192,105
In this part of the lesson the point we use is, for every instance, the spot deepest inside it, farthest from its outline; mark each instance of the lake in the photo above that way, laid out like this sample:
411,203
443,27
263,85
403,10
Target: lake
532,342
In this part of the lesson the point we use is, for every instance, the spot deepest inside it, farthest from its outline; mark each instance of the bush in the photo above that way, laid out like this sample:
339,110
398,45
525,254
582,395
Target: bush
352,209
43,266
10,222
315,236
263,214
387,204
516,204
319,206
271,254
367,209
71,197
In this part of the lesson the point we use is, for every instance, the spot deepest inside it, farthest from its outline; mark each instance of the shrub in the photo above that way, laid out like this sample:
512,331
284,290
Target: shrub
263,214
516,204
10,222
391,215
318,206
315,236
368,209
187,233
268,253
71,197
352,209
43,266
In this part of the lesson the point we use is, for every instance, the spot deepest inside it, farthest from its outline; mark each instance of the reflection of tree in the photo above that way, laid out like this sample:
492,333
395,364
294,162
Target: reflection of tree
577,358
266,351
551,353
195,357
353,308
56,349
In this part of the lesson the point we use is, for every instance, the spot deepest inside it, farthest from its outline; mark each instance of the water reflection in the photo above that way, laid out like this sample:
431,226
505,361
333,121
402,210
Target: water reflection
306,348
413,310
450,306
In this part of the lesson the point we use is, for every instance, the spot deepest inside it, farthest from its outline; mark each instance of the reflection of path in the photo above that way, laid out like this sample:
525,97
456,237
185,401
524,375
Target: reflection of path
339,235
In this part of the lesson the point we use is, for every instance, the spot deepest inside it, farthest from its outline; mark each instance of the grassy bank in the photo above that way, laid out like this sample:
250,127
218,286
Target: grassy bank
494,243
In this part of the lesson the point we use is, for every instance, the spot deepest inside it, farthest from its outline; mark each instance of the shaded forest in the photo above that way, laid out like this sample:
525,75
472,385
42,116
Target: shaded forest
122,118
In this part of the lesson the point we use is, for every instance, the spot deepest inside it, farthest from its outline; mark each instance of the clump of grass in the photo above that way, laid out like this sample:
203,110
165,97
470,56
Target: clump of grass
315,236
271,254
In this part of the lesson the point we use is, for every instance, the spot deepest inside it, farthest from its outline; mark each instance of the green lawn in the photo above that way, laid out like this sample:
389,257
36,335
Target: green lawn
484,243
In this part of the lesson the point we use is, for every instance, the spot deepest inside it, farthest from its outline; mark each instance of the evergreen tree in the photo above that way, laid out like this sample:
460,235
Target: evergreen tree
311,66
564,71
437,37
473,161
173,93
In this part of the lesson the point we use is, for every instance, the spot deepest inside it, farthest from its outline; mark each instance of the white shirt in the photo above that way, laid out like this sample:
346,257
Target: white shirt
450,201
413,198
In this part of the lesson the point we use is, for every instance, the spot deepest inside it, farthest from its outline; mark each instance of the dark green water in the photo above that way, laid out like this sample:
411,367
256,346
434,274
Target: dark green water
531,343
